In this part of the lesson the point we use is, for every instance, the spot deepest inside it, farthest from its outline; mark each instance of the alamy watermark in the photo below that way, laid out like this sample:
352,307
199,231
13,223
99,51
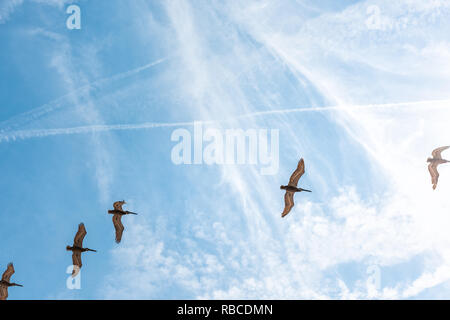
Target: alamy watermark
373,282
227,147
74,20
73,283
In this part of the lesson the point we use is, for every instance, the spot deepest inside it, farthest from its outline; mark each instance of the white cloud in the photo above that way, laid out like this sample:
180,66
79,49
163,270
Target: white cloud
332,51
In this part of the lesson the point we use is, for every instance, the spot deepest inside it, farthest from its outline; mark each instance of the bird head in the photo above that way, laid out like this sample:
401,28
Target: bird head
429,160
68,248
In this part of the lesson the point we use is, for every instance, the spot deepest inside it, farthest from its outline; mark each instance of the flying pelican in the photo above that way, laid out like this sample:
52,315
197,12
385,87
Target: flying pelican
291,188
434,162
5,284
117,213
77,249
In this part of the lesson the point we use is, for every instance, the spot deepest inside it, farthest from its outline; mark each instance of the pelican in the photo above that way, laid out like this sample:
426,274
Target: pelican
77,249
5,284
434,162
117,213
292,188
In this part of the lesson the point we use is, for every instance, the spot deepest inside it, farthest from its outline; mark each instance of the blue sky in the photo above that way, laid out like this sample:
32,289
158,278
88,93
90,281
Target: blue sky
214,231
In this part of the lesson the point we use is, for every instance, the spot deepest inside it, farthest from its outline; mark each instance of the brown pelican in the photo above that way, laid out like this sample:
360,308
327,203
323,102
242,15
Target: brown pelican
5,284
117,213
434,162
291,188
77,249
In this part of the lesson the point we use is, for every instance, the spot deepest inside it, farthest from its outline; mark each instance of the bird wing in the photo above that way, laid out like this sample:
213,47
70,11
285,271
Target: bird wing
79,237
8,273
117,221
3,292
432,168
76,261
297,173
437,152
288,202
118,205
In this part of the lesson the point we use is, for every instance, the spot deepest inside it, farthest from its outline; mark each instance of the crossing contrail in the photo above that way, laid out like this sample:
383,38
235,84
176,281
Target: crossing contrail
59,102
39,133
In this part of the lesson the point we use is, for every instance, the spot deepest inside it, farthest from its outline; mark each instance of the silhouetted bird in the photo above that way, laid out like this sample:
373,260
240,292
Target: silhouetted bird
117,213
434,162
291,188
77,249
5,282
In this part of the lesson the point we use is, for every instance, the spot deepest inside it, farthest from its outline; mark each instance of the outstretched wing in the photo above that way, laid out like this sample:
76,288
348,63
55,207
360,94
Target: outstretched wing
79,237
437,152
297,173
3,292
118,205
288,202
76,261
117,221
8,273
432,168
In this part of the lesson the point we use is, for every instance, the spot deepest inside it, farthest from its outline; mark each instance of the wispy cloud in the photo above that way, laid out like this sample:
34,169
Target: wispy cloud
7,7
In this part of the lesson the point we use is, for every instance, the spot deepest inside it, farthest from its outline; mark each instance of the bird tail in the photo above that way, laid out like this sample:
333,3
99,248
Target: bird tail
17,285
92,250
305,190
129,212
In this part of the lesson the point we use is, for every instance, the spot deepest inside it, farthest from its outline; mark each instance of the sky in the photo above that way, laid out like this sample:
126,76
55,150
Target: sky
359,89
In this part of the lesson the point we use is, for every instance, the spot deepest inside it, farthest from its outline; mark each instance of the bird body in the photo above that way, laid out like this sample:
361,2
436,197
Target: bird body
292,188
434,163
5,282
121,212
77,249
437,161
117,213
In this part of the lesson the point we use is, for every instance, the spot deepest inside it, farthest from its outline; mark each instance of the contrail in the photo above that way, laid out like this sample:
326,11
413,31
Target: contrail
58,103
130,72
423,103
39,133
